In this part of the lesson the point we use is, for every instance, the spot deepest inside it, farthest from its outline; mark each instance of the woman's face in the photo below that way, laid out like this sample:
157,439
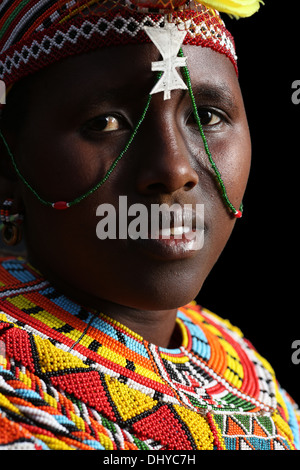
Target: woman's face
81,114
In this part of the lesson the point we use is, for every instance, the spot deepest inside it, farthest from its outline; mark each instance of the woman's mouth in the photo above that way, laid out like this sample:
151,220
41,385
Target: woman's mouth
182,237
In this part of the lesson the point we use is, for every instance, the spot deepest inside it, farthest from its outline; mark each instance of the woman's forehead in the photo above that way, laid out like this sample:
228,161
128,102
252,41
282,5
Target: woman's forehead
111,73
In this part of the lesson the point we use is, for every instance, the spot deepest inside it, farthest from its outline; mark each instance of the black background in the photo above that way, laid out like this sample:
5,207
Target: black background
255,282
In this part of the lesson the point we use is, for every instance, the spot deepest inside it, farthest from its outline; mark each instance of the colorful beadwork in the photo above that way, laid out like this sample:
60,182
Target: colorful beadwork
36,34
74,379
5,211
10,224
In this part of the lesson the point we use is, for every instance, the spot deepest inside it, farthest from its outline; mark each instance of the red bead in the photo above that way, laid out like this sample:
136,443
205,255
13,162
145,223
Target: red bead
60,205
238,214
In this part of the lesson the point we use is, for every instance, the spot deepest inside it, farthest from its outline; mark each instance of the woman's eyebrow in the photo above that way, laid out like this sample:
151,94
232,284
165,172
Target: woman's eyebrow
220,95
216,94
112,95
95,99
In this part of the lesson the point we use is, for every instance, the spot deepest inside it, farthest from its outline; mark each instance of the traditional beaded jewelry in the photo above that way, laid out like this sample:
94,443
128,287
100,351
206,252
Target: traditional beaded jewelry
11,224
72,378
236,213
33,36
5,211
62,205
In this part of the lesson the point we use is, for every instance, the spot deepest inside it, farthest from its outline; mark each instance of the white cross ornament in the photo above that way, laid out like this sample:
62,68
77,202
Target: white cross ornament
168,41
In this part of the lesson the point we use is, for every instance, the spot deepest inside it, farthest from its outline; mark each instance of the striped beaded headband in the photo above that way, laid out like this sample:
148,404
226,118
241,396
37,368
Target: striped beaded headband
35,34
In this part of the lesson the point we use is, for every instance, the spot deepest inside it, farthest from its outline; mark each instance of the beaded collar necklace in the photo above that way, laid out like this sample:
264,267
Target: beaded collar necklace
212,357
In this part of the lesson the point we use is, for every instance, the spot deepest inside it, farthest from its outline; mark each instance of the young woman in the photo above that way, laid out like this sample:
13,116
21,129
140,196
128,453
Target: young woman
112,110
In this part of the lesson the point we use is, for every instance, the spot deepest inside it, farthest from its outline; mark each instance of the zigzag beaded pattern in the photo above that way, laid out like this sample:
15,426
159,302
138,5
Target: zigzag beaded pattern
39,34
76,379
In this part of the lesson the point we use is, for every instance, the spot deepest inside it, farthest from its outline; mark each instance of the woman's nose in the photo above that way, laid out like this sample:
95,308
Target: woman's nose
165,164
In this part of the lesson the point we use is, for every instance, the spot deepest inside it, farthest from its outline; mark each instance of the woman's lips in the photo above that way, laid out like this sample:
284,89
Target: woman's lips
165,231
173,246
178,240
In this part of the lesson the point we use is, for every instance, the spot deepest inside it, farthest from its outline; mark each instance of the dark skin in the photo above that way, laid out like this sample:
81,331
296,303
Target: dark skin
63,149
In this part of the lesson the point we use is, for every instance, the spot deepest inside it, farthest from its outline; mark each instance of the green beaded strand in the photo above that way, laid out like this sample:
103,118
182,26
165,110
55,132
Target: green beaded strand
20,174
100,183
114,164
213,164
120,156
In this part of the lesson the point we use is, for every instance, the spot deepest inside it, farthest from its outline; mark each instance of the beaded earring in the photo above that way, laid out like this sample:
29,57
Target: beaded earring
11,224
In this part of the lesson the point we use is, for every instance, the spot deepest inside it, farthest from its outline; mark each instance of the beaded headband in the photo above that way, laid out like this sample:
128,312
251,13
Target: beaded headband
37,33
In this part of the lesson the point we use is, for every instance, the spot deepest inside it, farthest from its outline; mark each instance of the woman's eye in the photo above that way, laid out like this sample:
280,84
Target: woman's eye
207,117
104,124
